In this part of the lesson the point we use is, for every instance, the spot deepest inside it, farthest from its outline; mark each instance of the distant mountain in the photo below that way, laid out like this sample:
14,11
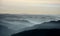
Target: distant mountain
35,19
4,31
48,25
56,22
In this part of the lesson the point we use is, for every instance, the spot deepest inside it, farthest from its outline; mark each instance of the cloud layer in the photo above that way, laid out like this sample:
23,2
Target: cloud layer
30,6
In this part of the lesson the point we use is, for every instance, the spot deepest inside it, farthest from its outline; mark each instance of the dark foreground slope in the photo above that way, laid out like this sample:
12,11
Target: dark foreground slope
45,29
39,32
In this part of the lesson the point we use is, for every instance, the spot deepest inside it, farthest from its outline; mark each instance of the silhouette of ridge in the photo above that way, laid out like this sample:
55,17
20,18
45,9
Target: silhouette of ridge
56,21
48,25
41,31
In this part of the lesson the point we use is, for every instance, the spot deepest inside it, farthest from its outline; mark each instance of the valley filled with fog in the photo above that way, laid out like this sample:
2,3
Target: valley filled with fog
17,23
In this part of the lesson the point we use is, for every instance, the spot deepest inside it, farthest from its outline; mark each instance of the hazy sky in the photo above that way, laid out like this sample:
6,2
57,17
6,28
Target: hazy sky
30,6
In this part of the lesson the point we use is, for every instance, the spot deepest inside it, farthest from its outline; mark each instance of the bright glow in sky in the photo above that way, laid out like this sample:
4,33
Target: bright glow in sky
30,6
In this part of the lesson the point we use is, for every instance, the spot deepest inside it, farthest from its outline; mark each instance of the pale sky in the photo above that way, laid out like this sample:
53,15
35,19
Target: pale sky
29,6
